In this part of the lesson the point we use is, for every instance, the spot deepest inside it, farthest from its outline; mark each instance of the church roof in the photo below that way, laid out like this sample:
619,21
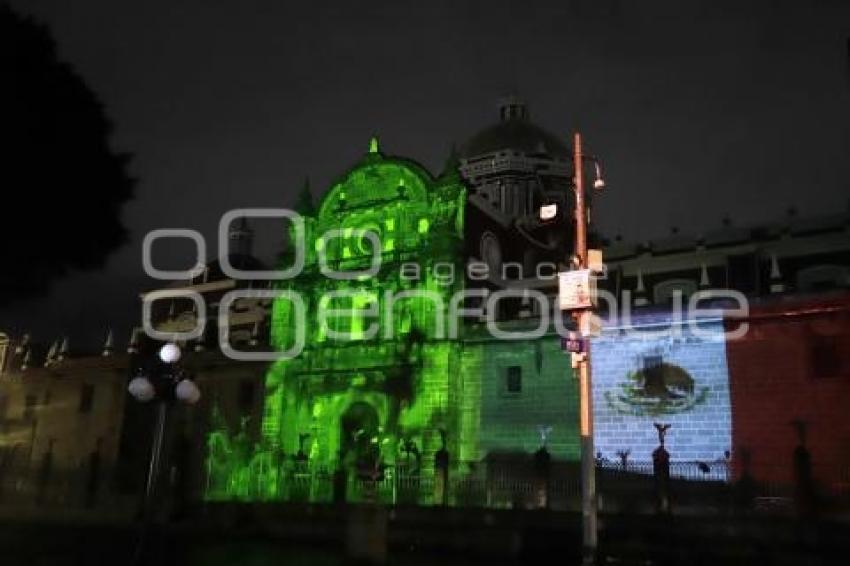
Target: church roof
376,176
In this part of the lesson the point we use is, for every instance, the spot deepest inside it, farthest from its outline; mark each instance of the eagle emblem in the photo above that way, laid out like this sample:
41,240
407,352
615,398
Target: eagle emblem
659,388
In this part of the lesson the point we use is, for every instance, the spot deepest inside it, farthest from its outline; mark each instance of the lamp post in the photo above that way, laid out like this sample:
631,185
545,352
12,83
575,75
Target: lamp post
582,318
582,312
163,382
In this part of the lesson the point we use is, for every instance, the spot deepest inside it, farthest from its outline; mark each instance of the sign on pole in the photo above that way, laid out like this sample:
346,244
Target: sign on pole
576,290
573,343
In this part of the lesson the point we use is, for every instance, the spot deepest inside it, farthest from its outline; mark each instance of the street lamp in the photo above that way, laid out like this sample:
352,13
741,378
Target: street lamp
582,317
164,382
581,359
548,212
599,182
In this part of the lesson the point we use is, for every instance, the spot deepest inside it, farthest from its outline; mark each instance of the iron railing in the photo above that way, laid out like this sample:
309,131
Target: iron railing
629,485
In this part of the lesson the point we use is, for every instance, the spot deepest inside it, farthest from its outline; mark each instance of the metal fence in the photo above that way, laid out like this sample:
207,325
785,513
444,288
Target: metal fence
622,486
469,485
716,471
394,488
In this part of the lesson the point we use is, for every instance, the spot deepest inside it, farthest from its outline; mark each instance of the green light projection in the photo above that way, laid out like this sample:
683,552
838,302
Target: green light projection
386,394
396,385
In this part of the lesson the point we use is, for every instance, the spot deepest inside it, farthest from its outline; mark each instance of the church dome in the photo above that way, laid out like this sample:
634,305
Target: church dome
515,131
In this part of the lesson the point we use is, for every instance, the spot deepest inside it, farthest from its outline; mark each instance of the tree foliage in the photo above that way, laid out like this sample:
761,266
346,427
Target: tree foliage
62,185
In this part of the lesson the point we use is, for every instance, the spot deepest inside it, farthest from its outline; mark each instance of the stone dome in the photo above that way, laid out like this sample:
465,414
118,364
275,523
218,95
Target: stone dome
514,131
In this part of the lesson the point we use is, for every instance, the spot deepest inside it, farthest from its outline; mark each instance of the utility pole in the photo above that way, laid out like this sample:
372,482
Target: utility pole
577,288
582,318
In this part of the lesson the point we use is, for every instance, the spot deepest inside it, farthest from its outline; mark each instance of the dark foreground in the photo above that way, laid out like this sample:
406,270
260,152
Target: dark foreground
327,536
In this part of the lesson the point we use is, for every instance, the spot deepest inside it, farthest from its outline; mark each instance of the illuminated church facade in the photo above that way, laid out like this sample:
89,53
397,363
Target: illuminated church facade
395,377
399,377
417,380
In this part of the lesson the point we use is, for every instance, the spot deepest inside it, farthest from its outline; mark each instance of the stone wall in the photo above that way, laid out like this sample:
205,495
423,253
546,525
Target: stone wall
547,396
793,365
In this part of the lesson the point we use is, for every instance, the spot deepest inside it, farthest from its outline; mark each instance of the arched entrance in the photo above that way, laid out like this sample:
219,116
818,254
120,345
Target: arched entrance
360,448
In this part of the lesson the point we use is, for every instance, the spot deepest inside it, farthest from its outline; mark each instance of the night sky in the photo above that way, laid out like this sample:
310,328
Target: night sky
699,110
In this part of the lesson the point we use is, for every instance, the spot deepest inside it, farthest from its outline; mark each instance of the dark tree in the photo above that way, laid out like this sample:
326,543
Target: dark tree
63,187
